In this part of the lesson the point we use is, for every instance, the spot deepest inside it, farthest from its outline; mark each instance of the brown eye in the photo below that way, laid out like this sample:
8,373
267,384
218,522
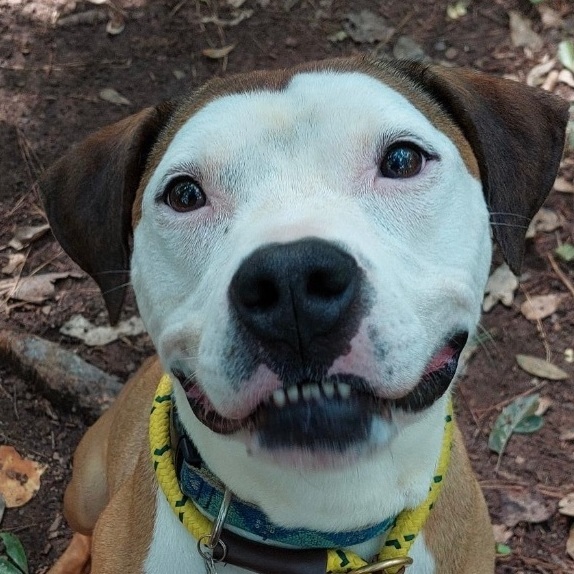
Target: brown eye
401,161
184,194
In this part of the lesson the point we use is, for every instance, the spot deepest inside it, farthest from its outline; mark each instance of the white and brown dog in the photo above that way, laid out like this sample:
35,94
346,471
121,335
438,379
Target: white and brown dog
309,249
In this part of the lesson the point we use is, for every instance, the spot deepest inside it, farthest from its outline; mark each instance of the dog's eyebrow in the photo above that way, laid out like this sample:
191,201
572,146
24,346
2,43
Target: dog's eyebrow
390,137
184,168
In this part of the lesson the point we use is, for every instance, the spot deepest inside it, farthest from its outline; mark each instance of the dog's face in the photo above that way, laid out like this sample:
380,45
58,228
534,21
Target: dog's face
310,260
310,246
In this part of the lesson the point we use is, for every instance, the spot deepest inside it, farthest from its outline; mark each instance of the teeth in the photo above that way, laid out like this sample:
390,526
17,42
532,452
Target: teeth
344,390
279,398
309,391
293,393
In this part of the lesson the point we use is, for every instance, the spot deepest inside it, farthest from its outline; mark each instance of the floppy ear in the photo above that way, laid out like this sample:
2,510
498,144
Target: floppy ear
517,135
88,196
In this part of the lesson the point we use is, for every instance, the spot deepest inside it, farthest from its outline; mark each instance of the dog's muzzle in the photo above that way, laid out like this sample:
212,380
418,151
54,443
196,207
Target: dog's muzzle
296,308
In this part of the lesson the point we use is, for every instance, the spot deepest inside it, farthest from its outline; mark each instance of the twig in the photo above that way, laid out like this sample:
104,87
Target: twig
540,329
502,404
560,273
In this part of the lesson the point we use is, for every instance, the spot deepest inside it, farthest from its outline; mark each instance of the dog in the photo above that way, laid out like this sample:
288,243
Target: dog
308,249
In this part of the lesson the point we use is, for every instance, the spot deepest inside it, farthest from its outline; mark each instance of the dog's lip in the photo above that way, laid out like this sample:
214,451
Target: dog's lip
433,383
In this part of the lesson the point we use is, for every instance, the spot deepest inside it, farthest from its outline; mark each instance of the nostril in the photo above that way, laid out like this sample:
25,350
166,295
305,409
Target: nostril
260,295
327,283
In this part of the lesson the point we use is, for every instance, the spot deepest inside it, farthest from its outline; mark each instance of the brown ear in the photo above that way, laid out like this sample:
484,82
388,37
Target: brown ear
88,196
517,135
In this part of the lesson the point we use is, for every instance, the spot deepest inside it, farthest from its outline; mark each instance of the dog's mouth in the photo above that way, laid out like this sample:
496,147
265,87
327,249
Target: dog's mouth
330,414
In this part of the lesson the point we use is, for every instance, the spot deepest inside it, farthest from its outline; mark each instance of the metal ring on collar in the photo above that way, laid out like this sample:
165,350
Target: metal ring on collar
381,567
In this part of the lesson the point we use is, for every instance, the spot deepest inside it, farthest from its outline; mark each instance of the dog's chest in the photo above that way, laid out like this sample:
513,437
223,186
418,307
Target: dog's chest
173,550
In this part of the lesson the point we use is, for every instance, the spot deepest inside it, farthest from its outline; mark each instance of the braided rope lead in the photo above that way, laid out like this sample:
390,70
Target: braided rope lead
409,522
398,543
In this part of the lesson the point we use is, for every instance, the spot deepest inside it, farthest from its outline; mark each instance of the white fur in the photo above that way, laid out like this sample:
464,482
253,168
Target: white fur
302,162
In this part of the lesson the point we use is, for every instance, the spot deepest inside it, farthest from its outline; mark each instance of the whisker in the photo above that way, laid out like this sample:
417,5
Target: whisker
508,214
116,288
501,224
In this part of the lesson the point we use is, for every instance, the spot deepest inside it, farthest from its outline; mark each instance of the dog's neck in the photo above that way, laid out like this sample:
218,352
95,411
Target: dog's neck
396,539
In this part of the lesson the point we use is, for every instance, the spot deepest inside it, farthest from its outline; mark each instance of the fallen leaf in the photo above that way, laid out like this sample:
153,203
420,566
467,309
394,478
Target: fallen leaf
19,477
566,54
339,36
545,220
540,368
512,415
114,97
550,18
27,234
540,306
239,16
80,328
503,549
15,263
567,435
524,506
570,543
565,252
217,53
502,533
566,505
15,552
536,75
178,74
407,49
501,286
522,34
543,405
35,288
566,77
236,3
116,24
457,10
562,185
367,27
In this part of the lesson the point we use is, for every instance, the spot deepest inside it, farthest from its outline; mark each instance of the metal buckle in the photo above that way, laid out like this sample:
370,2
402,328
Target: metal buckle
207,544
382,566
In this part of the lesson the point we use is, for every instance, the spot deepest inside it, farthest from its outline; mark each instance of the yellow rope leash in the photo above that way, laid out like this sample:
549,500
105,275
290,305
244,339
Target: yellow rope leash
399,540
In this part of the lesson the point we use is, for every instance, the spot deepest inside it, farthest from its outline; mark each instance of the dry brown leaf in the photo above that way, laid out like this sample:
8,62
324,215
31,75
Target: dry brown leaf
524,506
367,27
544,403
563,185
236,3
502,533
521,32
35,288
567,435
15,263
545,220
26,234
80,328
540,368
19,477
218,53
566,505
238,17
536,75
570,543
116,24
540,306
114,97
566,77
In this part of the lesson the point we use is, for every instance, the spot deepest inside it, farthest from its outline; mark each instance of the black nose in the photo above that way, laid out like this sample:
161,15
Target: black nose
296,294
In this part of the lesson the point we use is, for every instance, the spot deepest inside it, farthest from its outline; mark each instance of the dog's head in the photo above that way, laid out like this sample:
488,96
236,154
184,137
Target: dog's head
310,246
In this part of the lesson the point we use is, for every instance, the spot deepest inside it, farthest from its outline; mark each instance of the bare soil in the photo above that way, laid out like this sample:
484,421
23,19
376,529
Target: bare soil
50,78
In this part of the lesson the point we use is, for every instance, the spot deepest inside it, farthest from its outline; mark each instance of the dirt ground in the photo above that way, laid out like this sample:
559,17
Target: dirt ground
51,77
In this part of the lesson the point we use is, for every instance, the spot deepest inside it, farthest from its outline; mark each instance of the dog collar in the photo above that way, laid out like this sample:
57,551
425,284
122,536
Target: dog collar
271,559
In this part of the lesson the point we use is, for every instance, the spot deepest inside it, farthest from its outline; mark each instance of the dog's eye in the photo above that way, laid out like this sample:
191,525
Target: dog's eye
402,160
184,194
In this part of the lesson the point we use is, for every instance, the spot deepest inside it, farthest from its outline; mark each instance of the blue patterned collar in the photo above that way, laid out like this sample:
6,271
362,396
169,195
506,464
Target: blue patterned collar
200,485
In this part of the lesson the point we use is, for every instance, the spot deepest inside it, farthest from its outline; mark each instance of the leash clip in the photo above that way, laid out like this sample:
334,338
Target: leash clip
382,566
207,544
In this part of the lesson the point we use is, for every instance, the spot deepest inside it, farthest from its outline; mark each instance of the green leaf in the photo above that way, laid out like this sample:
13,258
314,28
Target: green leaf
503,549
566,54
15,550
511,416
529,425
6,567
565,252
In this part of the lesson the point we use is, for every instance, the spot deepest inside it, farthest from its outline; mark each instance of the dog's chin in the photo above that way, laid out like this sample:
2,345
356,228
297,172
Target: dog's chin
329,423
